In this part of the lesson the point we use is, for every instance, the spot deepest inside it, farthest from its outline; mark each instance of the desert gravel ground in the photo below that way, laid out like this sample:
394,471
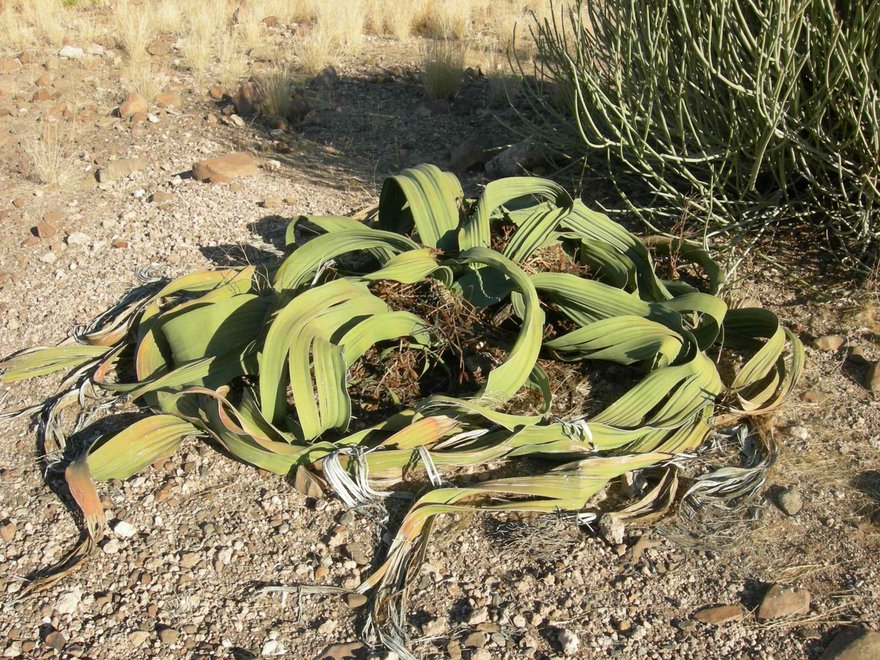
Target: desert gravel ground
193,537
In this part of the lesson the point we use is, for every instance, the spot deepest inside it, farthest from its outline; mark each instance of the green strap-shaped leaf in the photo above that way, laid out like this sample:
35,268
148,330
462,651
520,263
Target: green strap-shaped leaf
36,362
477,229
593,226
381,327
284,328
131,450
427,197
535,232
334,224
300,266
406,268
215,328
621,339
506,379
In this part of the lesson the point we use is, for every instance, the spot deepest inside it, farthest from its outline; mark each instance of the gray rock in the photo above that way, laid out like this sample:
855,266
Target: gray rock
71,52
119,169
790,501
168,636
471,154
517,159
569,642
612,528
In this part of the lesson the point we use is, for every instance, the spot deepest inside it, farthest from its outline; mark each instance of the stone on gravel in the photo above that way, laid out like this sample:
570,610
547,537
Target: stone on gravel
56,640
478,616
471,154
138,637
134,103
78,238
273,647
120,168
854,644
229,166
111,547
781,601
271,203
476,640
71,52
45,229
161,197
517,159
568,642
611,528
68,601
829,343
168,100
355,600
168,635
327,79
190,559
124,529
790,501
341,651
718,614
7,531
872,377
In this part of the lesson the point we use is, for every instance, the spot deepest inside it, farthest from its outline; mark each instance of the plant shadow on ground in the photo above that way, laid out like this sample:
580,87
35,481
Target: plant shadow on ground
363,128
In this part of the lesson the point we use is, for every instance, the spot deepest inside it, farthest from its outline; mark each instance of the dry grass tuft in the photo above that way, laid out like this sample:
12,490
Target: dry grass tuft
344,24
167,16
504,84
51,162
393,19
275,93
315,51
144,78
231,58
443,63
134,26
446,19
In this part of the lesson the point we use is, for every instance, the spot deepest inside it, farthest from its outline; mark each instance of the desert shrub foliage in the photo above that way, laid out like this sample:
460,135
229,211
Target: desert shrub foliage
749,116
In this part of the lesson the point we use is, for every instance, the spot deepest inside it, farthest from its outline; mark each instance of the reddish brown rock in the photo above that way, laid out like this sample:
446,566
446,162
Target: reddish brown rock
9,65
132,104
217,92
43,81
45,229
159,48
42,95
228,167
719,614
782,601
168,100
119,243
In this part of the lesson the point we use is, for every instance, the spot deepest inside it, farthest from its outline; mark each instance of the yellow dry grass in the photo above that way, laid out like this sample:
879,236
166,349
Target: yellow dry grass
49,153
215,34
134,28
443,63
144,78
